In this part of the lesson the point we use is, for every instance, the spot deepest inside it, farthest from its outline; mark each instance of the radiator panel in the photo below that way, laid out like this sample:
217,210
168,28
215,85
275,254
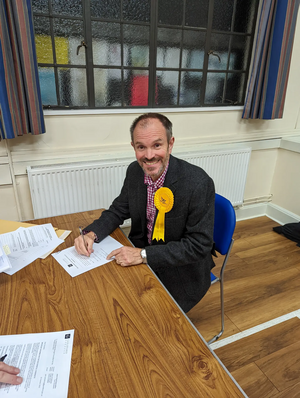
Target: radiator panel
74,187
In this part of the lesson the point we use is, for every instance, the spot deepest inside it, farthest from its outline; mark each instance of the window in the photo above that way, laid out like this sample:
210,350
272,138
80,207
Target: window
143,53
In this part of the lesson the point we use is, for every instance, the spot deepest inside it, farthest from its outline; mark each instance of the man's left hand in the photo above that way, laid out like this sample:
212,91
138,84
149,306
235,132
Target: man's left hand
126,256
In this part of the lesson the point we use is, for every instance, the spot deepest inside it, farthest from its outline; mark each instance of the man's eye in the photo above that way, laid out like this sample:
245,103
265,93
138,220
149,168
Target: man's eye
140,147
157,145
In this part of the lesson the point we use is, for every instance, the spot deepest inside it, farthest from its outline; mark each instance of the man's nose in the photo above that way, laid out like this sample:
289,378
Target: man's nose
149,153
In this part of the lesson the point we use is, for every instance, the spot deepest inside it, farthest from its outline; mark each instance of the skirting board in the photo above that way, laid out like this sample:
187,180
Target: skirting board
276,213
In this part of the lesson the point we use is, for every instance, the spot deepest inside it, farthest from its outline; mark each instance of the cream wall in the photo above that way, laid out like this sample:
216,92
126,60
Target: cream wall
78,137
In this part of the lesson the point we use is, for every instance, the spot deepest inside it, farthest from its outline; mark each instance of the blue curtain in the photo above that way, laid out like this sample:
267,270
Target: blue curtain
21,109
272,55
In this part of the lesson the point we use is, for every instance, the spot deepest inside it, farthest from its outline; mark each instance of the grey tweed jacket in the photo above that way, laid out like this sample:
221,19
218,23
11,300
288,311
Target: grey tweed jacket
183,261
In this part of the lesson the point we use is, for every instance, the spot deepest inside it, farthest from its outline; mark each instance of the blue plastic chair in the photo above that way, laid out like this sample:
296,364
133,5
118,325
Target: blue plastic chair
224,226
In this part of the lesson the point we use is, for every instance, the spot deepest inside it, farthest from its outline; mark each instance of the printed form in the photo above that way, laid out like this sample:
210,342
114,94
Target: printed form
44,360
76,264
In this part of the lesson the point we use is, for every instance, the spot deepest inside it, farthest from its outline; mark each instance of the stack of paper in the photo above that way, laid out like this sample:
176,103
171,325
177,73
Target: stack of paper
4,261
28,244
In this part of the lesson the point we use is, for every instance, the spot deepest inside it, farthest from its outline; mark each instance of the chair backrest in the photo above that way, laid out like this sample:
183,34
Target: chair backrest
224,224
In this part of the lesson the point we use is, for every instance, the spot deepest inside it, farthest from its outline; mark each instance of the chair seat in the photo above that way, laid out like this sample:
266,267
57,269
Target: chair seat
212,277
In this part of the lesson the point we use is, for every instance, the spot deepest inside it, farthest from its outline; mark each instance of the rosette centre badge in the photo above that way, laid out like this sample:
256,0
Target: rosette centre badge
163,200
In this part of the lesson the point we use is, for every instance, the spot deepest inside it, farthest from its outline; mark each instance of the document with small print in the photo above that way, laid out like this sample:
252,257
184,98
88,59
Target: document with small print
76,264
44,360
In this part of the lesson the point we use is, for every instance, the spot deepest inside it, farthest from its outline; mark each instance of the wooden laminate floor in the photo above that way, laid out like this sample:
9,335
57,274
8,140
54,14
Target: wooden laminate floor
262,284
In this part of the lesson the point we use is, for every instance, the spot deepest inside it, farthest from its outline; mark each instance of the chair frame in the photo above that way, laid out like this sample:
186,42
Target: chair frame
230,226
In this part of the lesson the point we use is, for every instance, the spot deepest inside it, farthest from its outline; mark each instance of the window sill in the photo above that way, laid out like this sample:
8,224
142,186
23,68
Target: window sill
69,112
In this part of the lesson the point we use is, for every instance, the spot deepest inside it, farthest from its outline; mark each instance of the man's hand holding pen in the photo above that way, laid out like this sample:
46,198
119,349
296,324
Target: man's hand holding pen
9,374
84,243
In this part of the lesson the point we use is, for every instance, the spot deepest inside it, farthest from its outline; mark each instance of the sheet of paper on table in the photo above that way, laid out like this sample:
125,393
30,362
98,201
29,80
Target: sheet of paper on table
4,261
76,264
28,244
44,360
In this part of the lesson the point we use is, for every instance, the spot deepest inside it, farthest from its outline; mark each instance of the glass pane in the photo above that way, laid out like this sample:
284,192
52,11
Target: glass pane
190,88
214,88
166,88
136,10
106,43
106,8
234,88
222,17
43,41
196,13
40,6
193,49
136,88
108,87
136,45
68,36
168,48
244,16
67,7
219,46
47,84
72,86
170,12
240,46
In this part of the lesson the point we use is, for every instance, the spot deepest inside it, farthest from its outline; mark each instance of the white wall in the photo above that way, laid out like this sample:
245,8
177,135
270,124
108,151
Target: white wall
76,137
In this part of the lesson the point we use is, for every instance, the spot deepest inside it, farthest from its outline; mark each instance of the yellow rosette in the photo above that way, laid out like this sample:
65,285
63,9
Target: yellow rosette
163,200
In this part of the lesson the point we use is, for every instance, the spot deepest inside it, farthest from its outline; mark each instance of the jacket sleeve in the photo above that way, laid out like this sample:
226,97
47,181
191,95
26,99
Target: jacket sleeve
190,237
112,218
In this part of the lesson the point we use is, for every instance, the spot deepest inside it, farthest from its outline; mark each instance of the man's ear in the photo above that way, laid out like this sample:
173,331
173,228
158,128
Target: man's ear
171,143
132,144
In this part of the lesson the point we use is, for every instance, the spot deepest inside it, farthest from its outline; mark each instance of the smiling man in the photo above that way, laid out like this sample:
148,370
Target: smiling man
179,249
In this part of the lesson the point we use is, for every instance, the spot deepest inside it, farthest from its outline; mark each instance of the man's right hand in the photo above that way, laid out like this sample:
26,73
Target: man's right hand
85,246
9,374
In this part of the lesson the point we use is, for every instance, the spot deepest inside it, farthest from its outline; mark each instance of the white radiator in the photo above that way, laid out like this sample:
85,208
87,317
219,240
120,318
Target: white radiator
74,187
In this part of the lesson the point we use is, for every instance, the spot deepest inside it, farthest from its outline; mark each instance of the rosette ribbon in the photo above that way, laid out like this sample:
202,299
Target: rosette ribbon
163,200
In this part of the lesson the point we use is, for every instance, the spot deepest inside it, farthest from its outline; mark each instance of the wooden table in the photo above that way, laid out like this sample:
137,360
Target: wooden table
131,339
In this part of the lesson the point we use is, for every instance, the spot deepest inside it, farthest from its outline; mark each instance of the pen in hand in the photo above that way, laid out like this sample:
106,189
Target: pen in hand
2,358
81,233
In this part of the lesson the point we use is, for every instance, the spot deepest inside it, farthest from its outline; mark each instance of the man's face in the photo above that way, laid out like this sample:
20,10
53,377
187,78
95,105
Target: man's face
152,149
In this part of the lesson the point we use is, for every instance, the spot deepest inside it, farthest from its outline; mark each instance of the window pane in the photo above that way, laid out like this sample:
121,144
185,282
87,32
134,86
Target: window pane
170,12
168,48
47,84
68,35
40,6
219,45
136,45
106,43
214,88
108,87
72,86
193,49
222,17
43,41
234,88
244,16
136,10
106,8
190,88
196,13
239,55
167,88
136,88
67,7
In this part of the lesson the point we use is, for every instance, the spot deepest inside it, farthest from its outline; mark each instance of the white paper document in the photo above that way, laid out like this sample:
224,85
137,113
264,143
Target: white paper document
76,264
28,244
4,261
44,360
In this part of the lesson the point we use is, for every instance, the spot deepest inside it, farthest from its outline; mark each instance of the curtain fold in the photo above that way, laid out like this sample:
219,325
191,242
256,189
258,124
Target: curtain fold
273,46
21,110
